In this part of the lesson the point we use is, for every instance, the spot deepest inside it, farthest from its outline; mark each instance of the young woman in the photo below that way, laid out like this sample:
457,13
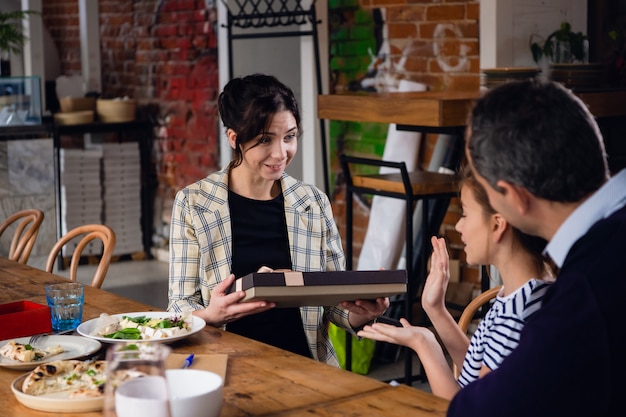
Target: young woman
253,216
488,239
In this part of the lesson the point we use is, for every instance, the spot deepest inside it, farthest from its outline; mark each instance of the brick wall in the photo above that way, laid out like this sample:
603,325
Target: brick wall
164,54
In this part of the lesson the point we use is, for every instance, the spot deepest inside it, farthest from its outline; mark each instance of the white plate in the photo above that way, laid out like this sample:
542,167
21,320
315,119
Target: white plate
87,328
73,347
58,402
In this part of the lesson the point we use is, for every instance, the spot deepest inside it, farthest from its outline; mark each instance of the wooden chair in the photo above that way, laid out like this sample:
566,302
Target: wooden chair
470,311
88,232
25,234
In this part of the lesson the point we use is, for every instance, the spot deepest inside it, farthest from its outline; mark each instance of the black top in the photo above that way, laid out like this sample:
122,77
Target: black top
260,239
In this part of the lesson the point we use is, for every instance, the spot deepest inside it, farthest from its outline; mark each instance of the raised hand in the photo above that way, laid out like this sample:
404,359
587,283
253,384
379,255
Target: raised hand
434,294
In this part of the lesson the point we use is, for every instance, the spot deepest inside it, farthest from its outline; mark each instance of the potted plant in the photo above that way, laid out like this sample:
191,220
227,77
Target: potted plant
562,46
617,55
11,37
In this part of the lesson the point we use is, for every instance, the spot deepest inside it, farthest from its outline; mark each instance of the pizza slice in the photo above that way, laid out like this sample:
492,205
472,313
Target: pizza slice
80,378
27,353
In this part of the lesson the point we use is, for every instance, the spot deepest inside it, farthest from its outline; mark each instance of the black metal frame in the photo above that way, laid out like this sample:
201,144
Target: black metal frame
414,280
256,14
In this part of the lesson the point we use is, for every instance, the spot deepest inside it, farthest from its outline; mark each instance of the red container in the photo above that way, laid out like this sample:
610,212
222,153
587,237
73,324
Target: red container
24,318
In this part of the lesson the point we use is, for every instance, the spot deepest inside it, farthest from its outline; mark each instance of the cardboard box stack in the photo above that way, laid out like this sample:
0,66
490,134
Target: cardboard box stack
122,195
81,194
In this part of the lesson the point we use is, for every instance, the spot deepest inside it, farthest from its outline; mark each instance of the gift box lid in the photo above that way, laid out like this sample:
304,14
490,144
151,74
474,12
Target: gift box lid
24,318
295,289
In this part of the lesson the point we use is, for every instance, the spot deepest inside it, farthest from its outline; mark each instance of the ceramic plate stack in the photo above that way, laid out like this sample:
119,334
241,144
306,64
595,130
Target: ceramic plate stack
122,195
491,77
577,75
81,194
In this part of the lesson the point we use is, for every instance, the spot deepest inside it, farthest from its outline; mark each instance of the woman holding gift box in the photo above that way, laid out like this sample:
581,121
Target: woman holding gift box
252,215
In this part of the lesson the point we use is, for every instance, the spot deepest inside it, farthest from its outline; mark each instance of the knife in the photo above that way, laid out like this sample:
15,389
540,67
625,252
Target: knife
188,361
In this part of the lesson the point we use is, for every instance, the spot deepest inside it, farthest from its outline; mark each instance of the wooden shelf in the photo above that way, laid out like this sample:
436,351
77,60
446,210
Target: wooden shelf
423,183
433,109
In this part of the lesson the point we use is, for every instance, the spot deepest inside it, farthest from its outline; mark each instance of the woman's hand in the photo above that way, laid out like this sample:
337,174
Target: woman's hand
364,311
224,308
434,294
406,335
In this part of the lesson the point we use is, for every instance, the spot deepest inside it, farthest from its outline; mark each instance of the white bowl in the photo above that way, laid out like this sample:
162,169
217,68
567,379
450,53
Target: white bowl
194,393
144,396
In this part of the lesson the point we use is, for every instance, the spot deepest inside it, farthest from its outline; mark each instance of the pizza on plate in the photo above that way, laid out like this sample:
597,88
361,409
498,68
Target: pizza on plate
26,353
81,379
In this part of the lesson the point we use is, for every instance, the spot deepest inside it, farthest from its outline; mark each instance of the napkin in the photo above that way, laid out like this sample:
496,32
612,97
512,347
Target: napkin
214,362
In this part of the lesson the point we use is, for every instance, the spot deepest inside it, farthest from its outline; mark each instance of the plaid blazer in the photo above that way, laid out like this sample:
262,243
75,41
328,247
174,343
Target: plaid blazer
201,249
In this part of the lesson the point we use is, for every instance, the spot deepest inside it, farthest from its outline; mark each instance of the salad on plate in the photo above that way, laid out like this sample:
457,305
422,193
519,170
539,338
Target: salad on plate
142,327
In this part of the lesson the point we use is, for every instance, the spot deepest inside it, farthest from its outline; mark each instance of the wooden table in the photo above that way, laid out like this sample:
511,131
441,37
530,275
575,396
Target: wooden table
261,380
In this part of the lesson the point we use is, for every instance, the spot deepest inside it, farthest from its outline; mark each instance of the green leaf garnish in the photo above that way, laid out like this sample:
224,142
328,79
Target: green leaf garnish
128,333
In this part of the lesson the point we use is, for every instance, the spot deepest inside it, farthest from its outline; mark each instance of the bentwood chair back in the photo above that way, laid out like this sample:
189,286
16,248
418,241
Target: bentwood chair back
27,228
470,311
86,233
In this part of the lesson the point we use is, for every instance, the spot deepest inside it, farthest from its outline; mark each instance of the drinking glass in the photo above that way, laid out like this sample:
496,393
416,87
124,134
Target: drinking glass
66,302
135,380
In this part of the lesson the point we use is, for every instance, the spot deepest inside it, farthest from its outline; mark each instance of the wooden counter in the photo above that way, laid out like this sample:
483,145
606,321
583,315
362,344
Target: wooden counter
437,108
261,380
432,109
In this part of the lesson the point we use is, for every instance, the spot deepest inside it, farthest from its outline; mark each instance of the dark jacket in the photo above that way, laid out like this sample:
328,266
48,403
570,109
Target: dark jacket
571,360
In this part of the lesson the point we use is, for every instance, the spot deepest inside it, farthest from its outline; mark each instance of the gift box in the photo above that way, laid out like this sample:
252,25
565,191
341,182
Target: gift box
295,289
24,318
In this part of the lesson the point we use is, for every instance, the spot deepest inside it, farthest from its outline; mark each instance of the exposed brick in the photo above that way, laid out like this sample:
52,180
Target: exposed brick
468,29
473,10
427,29
383,3
445,12
406,13
402,30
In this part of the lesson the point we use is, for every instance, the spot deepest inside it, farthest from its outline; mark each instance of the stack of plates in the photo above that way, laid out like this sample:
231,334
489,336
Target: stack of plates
577,75
491,77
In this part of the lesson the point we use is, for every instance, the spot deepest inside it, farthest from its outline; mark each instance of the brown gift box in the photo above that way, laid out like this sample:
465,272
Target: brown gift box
294,289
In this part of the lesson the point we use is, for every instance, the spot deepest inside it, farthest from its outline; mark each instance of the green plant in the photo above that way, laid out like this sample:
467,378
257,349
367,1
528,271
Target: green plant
617,53
575,40
11,36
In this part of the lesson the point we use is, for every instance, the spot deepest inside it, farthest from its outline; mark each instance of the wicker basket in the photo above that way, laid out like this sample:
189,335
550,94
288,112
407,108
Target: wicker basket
116,110
73,104
74,118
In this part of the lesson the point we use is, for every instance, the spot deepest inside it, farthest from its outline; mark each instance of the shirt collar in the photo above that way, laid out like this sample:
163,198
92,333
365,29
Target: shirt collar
604,202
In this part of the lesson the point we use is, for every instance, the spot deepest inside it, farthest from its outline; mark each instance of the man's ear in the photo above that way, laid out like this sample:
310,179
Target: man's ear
232,138
517,197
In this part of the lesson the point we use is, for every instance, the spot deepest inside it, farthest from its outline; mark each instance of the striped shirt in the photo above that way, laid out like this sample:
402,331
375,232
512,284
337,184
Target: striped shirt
201,249
498,333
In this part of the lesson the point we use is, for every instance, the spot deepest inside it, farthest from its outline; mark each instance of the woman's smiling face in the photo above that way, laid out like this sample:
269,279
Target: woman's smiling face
267,155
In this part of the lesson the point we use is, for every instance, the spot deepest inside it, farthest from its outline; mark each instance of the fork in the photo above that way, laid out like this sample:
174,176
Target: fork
35,338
